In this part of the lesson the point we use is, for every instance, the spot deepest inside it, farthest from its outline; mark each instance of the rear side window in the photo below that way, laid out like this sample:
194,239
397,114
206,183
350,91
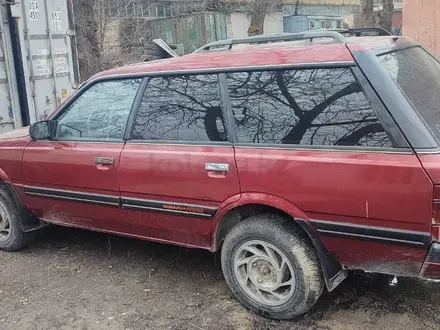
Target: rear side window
182,108
324,107
418,75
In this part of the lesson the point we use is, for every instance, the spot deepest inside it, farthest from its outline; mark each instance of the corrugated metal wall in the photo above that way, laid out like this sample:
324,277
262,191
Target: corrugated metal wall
9,113
347,12
318,10
294,24
36,63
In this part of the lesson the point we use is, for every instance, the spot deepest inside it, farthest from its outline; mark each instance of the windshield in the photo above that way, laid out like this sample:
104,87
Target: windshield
418,75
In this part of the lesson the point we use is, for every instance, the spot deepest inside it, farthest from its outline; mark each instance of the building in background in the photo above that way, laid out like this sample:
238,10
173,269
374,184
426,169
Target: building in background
127,28
397,20
308,15
238,23
420,22
163,19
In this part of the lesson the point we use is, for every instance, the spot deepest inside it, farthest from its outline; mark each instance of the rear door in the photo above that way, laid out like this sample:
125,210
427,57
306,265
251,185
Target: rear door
177,166
73,179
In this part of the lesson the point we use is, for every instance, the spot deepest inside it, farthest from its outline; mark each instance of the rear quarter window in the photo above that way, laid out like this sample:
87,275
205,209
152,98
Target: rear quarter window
417,74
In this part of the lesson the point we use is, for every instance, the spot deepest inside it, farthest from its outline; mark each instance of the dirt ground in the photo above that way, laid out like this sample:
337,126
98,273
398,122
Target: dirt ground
72,279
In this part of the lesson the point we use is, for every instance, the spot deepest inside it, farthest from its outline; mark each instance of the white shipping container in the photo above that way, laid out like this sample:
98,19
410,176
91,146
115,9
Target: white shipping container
38,62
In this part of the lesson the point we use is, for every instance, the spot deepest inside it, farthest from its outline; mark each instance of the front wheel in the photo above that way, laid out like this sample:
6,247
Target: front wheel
271,268
12,236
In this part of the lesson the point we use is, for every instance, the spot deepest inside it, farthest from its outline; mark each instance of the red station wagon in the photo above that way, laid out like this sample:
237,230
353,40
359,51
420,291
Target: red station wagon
299,158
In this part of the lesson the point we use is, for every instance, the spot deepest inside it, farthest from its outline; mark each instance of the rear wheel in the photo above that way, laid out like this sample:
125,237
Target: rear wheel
12,236
271,268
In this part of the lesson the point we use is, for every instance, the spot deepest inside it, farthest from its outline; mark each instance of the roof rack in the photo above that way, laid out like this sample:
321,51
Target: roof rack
269,38
359,32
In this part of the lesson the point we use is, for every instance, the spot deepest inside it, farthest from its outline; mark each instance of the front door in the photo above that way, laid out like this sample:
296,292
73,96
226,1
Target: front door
73,179
178,166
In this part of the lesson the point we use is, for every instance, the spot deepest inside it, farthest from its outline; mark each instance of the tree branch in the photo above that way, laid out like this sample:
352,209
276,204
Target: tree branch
354,137
295,135
283,88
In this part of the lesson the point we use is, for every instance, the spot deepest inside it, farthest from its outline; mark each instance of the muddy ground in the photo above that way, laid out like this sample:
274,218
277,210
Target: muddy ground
72,279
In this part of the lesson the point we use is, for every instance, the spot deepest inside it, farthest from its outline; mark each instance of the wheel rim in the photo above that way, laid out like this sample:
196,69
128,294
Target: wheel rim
264,273
5,223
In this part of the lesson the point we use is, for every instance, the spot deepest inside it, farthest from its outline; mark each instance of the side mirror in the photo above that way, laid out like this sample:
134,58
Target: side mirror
42,130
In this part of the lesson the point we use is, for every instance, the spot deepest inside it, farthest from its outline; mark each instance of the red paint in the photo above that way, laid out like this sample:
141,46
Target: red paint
71,166
431,165
377,257
431,270
176,174
12,145
388,190
351,184
369,43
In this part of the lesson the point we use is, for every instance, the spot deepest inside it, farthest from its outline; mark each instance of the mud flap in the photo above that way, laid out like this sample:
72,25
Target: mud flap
332,270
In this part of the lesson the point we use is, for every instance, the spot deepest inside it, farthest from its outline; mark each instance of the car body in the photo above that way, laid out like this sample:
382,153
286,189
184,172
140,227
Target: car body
184,150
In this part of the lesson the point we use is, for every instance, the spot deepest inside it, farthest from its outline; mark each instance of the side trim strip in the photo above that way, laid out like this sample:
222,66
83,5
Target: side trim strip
326,228
198,211
189,210
74,196
379,234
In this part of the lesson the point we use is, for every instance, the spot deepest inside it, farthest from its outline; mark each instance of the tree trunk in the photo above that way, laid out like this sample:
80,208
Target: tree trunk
370,18
367,16
258,16
386,16
86,27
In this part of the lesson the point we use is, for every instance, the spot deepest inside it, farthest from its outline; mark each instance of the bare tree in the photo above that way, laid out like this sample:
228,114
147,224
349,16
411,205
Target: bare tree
86,26
367,16
115,32
379,17
259,9
386,15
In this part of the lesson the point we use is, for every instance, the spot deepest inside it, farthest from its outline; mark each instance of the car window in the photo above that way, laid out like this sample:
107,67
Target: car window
101,112
323,107
418,75
182,108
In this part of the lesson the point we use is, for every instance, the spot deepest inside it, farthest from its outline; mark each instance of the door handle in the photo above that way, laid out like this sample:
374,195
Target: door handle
105,160
216,167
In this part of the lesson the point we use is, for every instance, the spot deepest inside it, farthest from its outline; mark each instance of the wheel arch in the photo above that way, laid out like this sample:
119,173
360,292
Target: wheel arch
29,222
4,177
257,203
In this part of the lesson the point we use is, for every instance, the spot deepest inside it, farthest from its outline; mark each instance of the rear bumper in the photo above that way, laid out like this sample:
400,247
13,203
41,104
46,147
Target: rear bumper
431,266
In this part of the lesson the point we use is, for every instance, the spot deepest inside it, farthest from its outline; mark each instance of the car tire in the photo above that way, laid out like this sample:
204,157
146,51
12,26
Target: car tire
150,58
153,52
271,268
12,236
